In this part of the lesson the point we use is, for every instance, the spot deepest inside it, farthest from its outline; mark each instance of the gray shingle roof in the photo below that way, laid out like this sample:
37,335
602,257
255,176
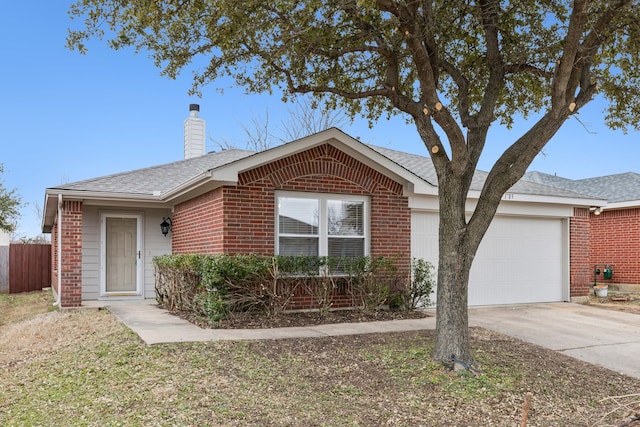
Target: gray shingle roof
161,179
423,167
623,187
156,180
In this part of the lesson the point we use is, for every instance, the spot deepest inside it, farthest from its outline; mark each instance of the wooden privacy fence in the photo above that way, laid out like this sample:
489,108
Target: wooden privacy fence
29,267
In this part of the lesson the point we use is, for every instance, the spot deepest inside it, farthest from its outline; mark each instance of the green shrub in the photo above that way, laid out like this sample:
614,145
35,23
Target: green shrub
418,293
214,286
210,305
374,280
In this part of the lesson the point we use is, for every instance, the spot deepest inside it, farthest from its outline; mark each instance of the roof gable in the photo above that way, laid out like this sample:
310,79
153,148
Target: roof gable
367,155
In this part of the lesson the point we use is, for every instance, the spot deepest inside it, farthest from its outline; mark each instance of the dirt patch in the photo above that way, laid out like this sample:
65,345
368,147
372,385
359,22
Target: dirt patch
14,308
627,302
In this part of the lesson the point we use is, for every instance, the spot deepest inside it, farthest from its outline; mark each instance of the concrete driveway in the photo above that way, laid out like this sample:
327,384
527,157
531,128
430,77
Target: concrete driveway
603,337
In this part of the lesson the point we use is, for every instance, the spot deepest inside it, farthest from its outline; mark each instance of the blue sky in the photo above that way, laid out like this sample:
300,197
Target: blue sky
65,117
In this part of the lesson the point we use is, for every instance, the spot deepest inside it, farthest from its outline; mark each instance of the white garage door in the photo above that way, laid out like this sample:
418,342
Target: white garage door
520,260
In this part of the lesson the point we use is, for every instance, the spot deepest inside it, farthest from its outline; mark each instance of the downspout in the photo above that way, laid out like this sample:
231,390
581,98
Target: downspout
59,261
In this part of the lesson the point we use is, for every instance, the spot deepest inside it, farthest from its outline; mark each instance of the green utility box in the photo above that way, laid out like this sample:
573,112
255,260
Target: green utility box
607,273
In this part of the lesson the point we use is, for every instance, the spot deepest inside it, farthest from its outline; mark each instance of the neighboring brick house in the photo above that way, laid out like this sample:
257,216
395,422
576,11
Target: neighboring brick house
106,230
607,236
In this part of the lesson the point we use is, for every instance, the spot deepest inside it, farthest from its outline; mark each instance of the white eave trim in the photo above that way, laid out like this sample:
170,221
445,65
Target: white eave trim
510,196
52,194
187,186
623,205
103,195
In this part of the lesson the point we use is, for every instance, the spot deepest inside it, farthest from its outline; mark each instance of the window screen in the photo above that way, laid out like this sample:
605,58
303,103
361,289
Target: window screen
321,226
298,221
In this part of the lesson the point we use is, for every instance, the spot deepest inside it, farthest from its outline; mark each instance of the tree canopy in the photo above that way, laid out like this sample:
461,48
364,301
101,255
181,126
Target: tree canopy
392,55
9,206
454,68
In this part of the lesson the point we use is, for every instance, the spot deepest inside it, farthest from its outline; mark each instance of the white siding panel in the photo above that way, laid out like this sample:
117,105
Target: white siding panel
90,253
154,243
520,260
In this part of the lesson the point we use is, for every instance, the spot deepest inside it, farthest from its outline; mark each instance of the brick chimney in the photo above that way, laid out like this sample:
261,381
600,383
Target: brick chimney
194,127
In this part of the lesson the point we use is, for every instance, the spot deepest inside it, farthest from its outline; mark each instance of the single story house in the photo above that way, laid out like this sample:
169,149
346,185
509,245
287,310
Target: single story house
611,232
288,199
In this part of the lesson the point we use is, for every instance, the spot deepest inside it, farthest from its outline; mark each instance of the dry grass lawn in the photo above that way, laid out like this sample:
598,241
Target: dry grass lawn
83,368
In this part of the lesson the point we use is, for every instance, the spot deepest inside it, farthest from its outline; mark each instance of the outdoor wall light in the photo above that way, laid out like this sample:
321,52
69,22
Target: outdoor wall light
596,210
165,226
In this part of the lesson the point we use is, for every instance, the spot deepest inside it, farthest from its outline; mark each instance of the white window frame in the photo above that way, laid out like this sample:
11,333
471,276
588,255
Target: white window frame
323,232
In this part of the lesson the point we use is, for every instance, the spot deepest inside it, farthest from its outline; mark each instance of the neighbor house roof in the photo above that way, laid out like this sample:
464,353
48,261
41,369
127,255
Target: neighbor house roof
169,182
618,189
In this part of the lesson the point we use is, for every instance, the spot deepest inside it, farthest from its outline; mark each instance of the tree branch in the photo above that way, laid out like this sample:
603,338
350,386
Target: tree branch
572,45
490,13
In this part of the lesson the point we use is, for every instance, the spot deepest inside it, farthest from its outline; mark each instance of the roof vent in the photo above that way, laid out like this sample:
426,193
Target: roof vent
194,133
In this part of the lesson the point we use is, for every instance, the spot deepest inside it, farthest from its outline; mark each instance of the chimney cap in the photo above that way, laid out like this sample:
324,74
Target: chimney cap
194,107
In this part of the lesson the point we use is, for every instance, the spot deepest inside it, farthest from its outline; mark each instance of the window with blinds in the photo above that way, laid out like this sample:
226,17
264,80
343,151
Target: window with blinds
322,225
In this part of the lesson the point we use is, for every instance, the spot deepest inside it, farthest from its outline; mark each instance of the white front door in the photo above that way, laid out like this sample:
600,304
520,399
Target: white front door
121,255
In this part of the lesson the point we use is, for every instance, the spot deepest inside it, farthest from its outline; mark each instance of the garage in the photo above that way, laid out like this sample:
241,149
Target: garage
520,260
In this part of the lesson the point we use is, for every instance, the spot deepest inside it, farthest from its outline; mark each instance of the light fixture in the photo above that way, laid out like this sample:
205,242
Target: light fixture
166,225
596,210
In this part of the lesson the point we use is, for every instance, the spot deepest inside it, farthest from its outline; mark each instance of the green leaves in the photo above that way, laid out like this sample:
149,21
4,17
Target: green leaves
378,57
10,203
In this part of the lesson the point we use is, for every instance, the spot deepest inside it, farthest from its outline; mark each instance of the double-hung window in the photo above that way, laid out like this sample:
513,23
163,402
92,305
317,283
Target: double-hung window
322,225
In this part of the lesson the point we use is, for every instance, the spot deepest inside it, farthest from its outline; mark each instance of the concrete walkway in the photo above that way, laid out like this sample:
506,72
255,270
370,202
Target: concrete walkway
607,338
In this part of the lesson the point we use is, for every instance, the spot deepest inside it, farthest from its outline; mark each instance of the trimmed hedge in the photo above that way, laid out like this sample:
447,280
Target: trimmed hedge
215,286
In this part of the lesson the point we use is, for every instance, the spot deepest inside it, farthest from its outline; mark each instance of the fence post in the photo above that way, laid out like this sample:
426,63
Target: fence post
4,269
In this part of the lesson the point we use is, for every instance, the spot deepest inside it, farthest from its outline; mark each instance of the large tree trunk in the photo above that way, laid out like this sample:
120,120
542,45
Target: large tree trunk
457,249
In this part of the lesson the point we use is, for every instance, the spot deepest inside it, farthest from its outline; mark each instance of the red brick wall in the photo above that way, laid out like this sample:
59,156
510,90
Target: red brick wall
197,225
54,256
580,269
71,235
615,239
241,219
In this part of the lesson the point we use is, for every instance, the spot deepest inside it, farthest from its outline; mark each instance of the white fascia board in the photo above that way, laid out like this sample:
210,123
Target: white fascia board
187,186
537,198
92,198
431,204
527,205
622,205
535,209
103,195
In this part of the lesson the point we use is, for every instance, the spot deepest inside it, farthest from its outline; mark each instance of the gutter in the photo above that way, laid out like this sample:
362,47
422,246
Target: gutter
59,262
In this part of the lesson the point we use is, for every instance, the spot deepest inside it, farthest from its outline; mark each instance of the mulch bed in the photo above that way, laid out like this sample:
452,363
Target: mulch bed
307,318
